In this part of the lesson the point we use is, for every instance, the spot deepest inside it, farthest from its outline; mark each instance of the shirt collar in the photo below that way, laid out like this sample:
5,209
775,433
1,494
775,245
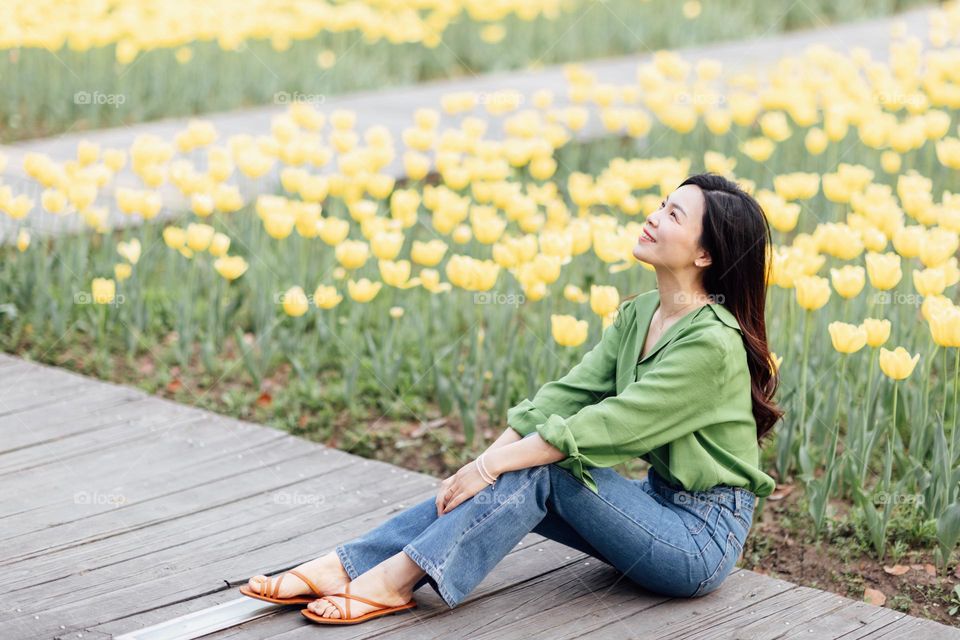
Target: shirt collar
725,315
648,302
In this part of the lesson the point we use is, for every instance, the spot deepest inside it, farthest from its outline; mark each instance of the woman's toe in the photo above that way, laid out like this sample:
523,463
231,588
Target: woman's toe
330,611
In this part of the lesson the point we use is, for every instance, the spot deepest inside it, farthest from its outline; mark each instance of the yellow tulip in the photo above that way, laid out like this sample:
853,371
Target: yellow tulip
395,274
471,274
130,251
774,125
945,327
363,290
19,207
103,290
53,200
333,231
777,361
174,237
23,240
883,269
219,245
202,204
428,254
816,141
797,185
567,330
907,240
716,162
890,161
122,271
326,297
812,292
279,223
897,364
929,282
573,293
604,299
758,149
462,234
352,254
199,236
948,152
847,338
848,280
937,246
547,268
295,302
386,245
230,267
430,280
878,331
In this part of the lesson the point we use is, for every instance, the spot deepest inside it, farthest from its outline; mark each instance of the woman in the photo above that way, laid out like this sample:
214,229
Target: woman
682,378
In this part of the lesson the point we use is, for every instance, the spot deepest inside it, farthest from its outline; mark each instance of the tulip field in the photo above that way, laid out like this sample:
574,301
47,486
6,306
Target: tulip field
120,61
301,284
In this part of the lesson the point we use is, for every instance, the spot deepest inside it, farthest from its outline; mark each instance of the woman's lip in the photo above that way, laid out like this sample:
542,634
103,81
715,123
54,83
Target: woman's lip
647,236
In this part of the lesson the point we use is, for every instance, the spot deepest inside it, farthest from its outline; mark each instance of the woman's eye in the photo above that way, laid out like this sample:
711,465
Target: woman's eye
674,214
663,204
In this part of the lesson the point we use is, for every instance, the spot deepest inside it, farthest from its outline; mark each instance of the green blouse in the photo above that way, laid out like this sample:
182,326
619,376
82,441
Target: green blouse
685,407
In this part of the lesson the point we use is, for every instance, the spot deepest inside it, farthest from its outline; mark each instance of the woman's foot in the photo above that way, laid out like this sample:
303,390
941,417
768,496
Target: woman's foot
326,572
368,585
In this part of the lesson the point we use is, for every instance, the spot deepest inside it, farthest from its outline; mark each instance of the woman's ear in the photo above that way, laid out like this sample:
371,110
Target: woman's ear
703,259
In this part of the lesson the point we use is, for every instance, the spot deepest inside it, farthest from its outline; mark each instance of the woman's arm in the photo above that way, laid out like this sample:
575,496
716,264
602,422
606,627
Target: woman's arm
509,436
591,380
531,451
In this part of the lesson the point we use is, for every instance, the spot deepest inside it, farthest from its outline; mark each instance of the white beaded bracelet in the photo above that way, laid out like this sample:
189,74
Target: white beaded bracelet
482,469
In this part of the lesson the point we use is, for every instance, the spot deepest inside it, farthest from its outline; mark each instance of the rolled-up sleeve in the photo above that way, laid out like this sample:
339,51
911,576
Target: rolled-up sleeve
591,380
678,396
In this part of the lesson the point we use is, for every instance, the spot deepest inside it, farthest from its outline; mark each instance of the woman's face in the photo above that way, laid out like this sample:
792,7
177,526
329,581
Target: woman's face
675,229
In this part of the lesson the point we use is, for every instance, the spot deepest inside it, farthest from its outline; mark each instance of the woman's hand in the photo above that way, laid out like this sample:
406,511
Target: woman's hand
461,486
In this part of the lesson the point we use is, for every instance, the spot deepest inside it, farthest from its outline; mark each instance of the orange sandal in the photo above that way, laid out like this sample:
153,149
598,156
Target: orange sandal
345,617
270,593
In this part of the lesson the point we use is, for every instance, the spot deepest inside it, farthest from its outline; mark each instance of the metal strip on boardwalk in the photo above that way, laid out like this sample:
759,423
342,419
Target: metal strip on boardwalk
206,621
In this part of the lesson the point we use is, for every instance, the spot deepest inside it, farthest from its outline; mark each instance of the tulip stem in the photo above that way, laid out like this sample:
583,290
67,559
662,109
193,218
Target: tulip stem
956,387
866,449
836,434
946,391
803,375
886,475
926,383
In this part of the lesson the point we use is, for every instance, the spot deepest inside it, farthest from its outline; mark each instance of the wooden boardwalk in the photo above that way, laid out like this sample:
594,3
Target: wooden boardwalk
121,510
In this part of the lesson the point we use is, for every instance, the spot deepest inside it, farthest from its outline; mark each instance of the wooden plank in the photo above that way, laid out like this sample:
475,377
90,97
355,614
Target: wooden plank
914,629
33,392
124,439
524,564
623,610
113,536
272,557
188,571
275,465
144,428
854,619
171,447
768,618
40,425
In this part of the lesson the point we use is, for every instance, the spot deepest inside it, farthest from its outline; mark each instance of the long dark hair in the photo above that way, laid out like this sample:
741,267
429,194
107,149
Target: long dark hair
737,236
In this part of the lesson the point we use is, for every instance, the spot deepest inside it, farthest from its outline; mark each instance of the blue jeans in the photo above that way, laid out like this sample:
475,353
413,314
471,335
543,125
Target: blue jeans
667,540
